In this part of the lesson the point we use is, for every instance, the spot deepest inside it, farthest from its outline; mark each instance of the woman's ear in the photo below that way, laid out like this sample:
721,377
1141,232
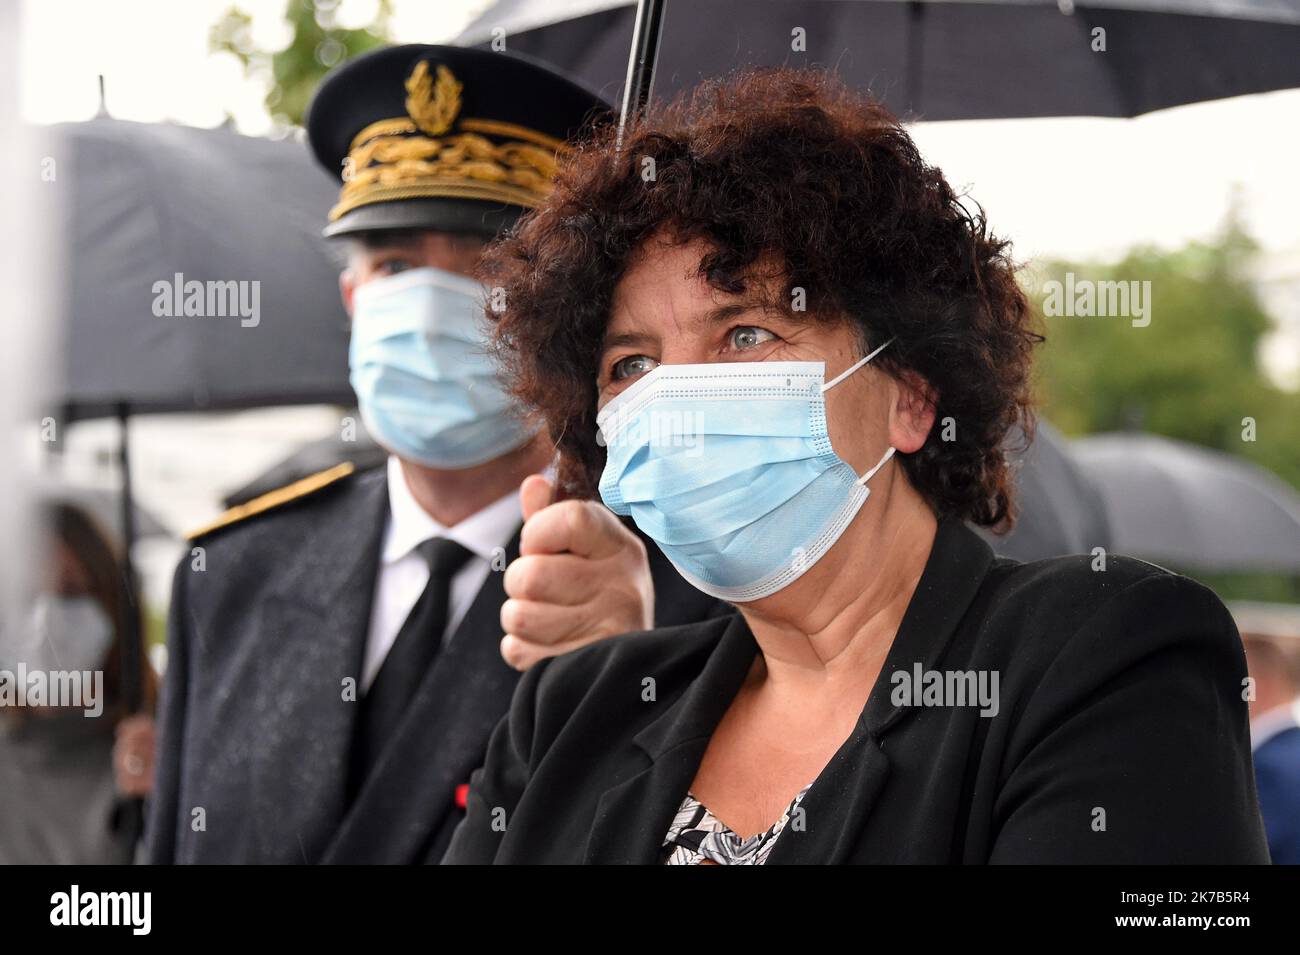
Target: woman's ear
911,415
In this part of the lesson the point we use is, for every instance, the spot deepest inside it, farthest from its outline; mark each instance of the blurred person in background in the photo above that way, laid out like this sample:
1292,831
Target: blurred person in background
1273,658
337,662
60,794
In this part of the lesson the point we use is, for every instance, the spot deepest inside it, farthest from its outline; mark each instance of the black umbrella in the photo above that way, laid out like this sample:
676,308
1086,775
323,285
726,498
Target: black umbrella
196,279
1061,510
1193,507
959,59
160,221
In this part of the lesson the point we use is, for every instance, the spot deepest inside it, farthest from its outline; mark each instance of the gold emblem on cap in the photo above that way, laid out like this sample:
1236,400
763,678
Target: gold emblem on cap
417,155
432,105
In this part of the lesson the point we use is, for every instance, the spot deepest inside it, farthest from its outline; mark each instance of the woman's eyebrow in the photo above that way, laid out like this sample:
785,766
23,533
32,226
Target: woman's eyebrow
714,316
627,339
724,313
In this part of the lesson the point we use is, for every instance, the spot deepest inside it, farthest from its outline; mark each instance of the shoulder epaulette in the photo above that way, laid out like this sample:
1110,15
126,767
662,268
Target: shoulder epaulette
272,499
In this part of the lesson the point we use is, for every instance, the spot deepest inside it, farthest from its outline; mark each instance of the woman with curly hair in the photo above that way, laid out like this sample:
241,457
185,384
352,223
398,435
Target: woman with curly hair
771,334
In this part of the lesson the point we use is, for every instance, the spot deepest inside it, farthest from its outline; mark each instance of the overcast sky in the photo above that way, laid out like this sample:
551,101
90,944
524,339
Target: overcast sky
1075,187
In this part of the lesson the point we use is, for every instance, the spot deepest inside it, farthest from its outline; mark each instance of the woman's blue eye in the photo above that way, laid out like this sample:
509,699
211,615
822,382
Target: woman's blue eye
749,336
393,266
632,365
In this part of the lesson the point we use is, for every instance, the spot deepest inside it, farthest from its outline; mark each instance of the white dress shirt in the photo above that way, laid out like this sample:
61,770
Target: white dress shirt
403,573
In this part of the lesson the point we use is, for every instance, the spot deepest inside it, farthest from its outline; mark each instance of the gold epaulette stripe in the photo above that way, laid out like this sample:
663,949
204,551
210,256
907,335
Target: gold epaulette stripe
281,495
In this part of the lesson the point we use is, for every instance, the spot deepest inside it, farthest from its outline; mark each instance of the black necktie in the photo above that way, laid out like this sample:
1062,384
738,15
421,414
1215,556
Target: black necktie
409,658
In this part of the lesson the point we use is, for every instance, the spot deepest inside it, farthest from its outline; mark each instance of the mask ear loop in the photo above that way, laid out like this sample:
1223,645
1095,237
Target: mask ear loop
840,377
854,367
879,464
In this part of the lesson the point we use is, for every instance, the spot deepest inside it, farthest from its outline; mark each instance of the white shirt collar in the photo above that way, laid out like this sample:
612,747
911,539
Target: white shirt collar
409,524
1267,725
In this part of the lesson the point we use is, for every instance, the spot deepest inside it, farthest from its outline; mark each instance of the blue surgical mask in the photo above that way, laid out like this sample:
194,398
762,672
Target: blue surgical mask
66,633
427,389
728,467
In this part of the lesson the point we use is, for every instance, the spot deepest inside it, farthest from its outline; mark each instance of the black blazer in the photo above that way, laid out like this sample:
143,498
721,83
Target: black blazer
253,727
1120,736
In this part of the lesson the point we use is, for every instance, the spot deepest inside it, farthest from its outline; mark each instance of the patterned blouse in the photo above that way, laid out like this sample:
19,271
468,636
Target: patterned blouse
697,835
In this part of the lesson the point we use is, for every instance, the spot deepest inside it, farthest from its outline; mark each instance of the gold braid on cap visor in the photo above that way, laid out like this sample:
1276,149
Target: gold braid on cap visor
417,156
392,160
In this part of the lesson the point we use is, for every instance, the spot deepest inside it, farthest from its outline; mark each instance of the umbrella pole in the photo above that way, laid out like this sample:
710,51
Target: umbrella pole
911,105
129,815
132,662
641,61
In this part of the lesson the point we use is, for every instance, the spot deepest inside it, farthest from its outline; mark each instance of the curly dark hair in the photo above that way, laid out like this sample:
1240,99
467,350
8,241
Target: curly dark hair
783,166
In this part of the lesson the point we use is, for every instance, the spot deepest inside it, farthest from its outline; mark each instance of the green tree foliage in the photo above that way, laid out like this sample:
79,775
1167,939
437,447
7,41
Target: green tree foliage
318,45
1193,373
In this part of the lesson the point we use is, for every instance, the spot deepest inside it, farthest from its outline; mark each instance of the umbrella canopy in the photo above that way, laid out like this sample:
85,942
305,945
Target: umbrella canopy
1173,502
960,59
1060,509
162,221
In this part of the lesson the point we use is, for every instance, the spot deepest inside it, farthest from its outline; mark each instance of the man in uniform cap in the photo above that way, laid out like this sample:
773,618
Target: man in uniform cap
336,656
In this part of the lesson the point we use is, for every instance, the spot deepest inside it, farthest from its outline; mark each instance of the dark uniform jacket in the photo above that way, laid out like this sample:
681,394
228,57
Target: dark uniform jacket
1120,733
255,733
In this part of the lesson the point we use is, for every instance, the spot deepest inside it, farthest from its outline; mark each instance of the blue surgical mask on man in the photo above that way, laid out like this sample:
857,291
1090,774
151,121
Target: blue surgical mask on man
427,388
728,467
